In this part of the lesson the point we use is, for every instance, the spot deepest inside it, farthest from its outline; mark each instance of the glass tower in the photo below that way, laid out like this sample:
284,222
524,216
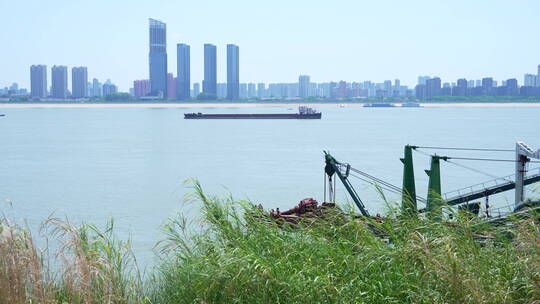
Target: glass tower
158,58
59,76
233,74
210,70
183,72
38,81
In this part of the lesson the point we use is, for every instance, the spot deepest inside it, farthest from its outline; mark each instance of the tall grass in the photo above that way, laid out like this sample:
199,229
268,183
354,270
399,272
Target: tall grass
238,254
89,266
238,258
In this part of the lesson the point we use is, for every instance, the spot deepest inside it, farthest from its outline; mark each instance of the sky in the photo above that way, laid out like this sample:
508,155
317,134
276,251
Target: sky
352,40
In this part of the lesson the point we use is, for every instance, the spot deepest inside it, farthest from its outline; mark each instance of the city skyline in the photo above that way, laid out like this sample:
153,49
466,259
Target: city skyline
374,41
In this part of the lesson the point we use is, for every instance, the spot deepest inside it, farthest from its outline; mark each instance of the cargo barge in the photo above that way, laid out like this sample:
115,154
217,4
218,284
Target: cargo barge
303,113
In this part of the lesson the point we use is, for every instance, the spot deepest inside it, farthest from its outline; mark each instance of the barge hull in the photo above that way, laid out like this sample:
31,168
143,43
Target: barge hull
252,116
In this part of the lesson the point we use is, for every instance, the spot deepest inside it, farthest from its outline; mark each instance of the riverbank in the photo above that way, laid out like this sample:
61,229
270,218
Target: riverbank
249,105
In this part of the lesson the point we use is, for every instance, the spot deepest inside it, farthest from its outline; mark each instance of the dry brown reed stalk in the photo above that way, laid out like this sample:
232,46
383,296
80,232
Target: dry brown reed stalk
21,268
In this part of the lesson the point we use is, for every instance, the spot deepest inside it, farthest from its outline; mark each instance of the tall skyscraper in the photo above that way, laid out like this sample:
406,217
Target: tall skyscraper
210,70
303,86
183,72
79,82
38,81
233,72
59,83
158,58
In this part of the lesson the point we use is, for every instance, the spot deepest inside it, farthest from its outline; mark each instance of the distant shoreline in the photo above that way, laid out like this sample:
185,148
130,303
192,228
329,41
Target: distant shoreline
250,105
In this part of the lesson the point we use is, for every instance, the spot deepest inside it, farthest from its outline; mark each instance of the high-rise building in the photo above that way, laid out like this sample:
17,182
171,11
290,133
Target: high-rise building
252,91
303,86
109,88
397,84
171,86
183,71
538,77
243,91
196,90
79,82
423,79
233,72
261,90
158,58
141,88
530,80
209,84
512,88
387,88
461,88
59,82
38,81
221,90
96,88
433,87
487,86
89,89
420,91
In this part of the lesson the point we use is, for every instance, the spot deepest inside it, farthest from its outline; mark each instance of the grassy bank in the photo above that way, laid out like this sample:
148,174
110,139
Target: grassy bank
238,255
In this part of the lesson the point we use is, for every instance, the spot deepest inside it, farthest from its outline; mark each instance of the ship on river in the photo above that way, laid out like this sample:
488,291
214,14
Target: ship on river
303,113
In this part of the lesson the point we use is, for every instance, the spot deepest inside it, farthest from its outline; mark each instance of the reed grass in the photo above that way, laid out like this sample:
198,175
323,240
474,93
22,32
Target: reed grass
89,266
235,253
238,258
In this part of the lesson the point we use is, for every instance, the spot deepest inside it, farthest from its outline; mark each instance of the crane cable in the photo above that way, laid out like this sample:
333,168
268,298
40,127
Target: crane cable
381,183
478,171
464,149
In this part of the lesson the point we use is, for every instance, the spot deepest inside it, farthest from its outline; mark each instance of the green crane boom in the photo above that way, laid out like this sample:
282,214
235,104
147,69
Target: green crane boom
331,168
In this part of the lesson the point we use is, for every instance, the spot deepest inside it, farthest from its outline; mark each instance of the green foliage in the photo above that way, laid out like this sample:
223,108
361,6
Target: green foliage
242,256
118,97
236,253
207,96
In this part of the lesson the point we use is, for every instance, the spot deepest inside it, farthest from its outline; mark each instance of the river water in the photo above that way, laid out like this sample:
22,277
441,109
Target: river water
91,164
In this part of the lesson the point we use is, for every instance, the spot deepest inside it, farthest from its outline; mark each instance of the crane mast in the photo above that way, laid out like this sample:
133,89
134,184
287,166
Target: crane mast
334,167
523,155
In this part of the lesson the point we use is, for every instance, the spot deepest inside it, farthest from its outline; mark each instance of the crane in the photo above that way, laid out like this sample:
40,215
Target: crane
334,167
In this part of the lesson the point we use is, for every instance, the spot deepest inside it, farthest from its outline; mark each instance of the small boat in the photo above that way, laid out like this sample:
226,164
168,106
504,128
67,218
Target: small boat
342,105
379,105
2,115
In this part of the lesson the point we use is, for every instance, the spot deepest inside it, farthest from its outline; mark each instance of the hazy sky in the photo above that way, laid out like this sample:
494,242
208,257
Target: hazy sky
278,39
